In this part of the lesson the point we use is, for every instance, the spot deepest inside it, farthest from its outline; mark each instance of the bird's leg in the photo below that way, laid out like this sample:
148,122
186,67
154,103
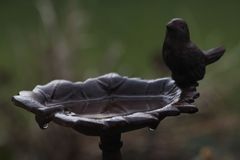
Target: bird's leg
189,94
187,97
188,88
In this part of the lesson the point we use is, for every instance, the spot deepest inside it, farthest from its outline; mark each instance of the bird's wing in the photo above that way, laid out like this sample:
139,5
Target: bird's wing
195,62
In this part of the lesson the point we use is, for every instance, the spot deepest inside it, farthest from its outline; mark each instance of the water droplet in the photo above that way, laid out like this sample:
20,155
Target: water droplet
151,129
44,126
42,123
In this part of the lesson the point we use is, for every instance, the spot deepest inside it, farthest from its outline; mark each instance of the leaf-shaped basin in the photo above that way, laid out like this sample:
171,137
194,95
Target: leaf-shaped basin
106,104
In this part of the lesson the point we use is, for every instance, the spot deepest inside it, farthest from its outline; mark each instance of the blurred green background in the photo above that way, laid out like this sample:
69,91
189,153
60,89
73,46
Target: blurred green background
42,40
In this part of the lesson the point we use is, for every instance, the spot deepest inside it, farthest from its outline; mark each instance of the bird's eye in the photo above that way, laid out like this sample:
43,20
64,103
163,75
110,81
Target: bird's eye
182,26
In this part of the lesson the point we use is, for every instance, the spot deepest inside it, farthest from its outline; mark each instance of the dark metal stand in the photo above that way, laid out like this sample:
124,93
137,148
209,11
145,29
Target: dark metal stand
110,146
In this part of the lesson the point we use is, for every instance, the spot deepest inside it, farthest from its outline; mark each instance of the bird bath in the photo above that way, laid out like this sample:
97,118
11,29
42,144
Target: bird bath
107,106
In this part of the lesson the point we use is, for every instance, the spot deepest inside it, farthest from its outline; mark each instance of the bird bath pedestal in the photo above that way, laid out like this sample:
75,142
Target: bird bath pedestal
107,106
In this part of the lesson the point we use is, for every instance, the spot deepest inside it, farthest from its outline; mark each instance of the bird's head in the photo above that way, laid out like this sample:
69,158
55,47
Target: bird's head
177,28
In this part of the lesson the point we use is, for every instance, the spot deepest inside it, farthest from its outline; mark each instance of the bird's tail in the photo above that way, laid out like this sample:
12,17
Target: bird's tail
214,54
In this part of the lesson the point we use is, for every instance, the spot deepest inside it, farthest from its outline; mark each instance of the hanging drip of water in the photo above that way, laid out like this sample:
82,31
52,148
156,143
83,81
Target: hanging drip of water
151,129
42,122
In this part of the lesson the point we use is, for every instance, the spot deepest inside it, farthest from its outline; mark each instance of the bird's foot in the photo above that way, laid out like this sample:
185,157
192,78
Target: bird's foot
189,95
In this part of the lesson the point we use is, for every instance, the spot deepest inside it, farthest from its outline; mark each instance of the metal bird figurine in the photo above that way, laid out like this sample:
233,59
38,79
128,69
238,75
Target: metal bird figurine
186,61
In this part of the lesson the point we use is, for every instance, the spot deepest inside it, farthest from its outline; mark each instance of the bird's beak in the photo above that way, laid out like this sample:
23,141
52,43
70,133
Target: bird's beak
170,26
